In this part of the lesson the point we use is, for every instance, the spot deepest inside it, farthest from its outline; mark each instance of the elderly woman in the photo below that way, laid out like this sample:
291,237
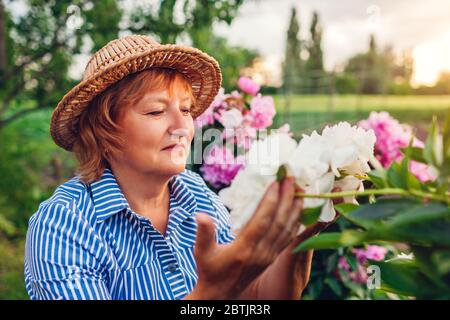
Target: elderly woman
134,223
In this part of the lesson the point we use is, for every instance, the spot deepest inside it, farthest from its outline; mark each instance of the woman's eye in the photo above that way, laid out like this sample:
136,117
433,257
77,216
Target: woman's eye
186,111
155,113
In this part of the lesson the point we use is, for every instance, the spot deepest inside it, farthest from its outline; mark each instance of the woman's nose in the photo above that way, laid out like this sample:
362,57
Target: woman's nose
179,127
178,119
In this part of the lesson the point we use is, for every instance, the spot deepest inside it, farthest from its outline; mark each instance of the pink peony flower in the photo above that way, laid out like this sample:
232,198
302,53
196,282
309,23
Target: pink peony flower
210,114
372,252
358,276
206,118
241,136
343,264
423,172
248,86
391,137
221,166
262,111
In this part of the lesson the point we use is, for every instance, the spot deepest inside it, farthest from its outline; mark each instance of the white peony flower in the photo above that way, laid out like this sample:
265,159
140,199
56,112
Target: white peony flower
248,187
244,195
231,119
317,162
267,155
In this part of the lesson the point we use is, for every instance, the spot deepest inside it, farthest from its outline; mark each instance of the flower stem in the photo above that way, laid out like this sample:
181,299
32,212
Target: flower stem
386,191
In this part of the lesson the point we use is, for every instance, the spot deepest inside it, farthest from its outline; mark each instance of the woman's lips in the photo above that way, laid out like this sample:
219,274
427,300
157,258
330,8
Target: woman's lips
172,146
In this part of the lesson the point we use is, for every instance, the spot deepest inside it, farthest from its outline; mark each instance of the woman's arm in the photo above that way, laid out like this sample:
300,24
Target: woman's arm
55,251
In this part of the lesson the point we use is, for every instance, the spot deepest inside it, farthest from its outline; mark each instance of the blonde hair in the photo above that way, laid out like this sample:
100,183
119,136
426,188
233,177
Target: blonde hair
99,133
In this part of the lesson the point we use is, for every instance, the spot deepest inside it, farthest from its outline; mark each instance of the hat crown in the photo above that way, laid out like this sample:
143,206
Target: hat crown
117,50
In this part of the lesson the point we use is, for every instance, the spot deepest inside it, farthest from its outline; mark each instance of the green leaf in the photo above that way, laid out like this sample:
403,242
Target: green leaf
378,178
445,168
332,240
281,173
424,262
432,150
416,154
375,214
331,262
345,208
420,213
310,215
352,261
441,260
446,136
408,180
394,176
334,285
403,277
435,232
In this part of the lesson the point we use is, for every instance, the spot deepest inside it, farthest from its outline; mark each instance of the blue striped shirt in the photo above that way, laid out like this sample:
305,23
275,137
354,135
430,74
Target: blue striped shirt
85,242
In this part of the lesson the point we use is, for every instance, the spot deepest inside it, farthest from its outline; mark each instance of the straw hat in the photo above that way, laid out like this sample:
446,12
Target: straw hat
127,55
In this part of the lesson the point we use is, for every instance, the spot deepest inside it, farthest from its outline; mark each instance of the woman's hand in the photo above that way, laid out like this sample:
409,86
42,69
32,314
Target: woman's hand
225,271
288,275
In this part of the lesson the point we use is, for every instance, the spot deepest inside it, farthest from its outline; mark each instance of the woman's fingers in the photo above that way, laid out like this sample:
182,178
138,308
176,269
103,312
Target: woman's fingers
292,226
280,232
264,215
294,221
205,238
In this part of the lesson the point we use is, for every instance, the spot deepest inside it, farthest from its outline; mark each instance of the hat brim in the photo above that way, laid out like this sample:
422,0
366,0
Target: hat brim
199,68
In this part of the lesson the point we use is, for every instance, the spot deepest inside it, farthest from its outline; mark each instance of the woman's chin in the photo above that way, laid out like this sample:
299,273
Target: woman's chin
176,157
174,167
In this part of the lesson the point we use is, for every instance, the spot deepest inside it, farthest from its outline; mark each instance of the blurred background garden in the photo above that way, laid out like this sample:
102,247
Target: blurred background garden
320,61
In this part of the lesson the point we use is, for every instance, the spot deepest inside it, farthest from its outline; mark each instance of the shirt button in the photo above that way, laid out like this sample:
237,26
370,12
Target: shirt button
172,267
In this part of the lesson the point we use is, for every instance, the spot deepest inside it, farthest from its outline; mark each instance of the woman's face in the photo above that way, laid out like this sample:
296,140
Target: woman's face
158,131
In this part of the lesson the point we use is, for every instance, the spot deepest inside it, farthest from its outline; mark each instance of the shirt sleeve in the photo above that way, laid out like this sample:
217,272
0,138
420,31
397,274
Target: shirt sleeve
63,256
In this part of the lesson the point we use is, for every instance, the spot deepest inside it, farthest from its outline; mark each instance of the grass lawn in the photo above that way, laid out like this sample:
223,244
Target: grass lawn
308,112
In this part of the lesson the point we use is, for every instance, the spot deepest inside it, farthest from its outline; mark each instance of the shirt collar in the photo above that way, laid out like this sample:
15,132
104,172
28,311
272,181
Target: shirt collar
108,197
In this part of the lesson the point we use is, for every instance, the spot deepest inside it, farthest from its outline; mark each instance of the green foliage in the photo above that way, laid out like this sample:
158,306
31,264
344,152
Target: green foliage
231,59
345,83
197,18
12,283
377,72
31,166
42,43
414,214
310,215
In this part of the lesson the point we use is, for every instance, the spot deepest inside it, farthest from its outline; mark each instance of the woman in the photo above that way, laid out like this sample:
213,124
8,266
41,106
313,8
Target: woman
134,223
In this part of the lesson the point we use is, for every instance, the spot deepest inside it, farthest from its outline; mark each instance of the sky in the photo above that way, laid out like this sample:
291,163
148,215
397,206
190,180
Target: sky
421,27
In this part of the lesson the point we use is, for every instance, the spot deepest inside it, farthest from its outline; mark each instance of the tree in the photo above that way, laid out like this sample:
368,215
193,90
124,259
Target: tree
40,48
40,45
292,65
371,69
314,64
228,58
195,19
